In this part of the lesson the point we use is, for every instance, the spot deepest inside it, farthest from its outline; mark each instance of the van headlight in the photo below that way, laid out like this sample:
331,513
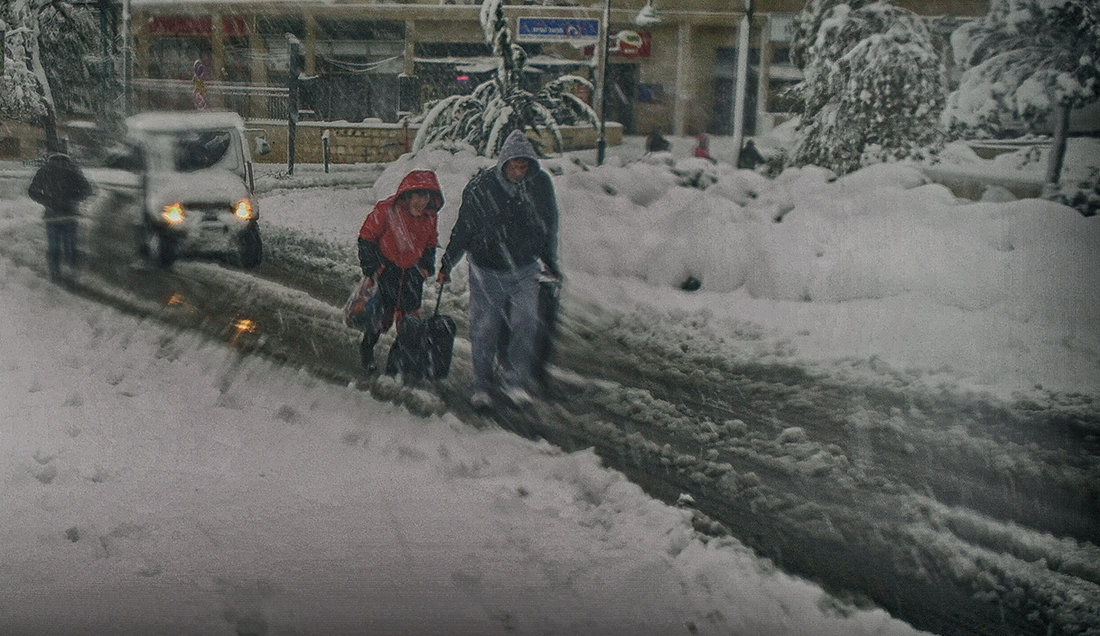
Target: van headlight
243,210
173,214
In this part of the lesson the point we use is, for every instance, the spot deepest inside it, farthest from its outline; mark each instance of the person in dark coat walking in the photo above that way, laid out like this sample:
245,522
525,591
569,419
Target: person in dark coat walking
750,156
397,245
60,186
508,224
656,142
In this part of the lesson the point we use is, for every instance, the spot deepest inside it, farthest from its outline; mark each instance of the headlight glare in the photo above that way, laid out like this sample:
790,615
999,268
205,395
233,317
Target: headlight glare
243,209
173,213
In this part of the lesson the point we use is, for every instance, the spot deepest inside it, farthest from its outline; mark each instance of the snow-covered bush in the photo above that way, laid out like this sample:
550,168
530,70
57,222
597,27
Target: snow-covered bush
496,107
1021,62
874,85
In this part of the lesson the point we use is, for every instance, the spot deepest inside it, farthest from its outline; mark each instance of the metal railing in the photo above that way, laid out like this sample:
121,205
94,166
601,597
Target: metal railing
250,101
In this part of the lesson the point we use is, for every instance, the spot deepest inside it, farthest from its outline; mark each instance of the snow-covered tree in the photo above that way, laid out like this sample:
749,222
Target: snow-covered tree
24,79
500,105
874,85
48,44
1021,62
1026,61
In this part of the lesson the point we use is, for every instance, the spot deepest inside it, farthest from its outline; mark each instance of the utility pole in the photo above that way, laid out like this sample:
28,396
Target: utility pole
295,48
601,70
742,80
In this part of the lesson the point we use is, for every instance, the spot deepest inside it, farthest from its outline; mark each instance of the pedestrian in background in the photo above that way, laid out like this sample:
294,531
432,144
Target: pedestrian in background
702,147
60,186
750,156
508,224
397,243
656,142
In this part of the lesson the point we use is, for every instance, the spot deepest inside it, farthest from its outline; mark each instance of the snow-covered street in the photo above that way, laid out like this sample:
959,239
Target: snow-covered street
869,354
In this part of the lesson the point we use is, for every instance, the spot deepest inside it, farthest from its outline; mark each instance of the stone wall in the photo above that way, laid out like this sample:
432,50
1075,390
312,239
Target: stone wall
379,142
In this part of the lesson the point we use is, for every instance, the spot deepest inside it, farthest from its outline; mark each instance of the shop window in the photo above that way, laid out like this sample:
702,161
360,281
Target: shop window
280,25
329,29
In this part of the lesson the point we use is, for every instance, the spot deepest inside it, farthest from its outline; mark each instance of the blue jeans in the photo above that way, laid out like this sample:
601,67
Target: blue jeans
61,245
499,297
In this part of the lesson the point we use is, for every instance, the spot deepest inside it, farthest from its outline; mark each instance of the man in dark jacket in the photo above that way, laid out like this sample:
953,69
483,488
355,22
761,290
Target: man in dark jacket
749,156
60,186
508,224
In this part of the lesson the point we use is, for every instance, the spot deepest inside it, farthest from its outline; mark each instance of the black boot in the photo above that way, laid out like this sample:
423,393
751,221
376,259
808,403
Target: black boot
366,351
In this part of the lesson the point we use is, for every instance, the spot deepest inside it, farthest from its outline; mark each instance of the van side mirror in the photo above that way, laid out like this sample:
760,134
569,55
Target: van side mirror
125,157
261,143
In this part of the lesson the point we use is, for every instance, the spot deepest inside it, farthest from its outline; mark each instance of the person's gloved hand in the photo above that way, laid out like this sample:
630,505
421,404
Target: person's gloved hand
552,274
443,277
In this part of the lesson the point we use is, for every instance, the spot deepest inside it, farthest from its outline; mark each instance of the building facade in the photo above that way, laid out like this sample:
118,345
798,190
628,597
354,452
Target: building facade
379,59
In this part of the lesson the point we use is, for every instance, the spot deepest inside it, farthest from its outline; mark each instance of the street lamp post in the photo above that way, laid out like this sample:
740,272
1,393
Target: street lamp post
742,80
601,81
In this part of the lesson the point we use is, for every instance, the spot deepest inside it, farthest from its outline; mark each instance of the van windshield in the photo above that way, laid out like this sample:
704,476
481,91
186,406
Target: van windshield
198,150
191,150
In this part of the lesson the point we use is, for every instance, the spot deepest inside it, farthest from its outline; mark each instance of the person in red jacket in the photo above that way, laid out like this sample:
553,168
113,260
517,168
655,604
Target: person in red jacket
702,148
397,244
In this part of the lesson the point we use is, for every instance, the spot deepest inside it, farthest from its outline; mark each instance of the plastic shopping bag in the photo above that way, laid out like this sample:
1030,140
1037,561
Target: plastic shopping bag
363,310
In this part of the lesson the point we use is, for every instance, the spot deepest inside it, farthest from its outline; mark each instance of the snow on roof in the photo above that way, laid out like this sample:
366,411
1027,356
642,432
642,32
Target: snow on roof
168,121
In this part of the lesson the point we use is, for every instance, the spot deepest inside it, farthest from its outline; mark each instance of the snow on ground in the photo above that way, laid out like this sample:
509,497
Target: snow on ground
157,483
880,268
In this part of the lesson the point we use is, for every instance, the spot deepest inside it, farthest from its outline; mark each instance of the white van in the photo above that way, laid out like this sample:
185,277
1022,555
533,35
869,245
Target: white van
193,188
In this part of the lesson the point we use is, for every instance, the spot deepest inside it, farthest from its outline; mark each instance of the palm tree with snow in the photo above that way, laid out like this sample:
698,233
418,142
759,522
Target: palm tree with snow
500,105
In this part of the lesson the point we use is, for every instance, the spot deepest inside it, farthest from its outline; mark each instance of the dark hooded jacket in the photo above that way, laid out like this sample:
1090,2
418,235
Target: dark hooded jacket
59,186
401,245
504,225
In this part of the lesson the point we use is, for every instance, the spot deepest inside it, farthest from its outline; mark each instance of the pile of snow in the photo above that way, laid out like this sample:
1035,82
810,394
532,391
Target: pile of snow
880,265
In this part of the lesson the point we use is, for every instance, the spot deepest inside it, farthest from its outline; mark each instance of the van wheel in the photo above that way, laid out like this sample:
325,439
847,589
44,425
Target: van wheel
158,247
251,248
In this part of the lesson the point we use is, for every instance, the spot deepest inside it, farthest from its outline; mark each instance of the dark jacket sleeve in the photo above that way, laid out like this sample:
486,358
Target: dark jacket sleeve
462,231
38,188
427,261
83,187
548,211
370,257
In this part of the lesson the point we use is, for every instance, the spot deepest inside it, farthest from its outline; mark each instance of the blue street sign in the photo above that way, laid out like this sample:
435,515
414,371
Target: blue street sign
558,30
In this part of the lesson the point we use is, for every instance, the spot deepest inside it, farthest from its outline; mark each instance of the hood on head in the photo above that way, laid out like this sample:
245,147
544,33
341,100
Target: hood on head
517,146
422,180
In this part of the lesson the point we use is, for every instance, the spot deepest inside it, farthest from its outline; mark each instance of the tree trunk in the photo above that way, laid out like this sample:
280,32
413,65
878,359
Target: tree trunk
1058,146
53,142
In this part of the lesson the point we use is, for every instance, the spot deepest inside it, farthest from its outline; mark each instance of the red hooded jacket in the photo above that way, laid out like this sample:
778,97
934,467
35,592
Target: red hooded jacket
401,237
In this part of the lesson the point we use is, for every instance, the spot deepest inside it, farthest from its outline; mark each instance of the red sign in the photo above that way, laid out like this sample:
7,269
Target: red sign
629,44
196,26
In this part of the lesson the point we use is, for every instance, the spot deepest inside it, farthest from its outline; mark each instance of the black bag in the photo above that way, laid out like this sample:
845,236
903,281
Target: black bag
423,347
549,302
